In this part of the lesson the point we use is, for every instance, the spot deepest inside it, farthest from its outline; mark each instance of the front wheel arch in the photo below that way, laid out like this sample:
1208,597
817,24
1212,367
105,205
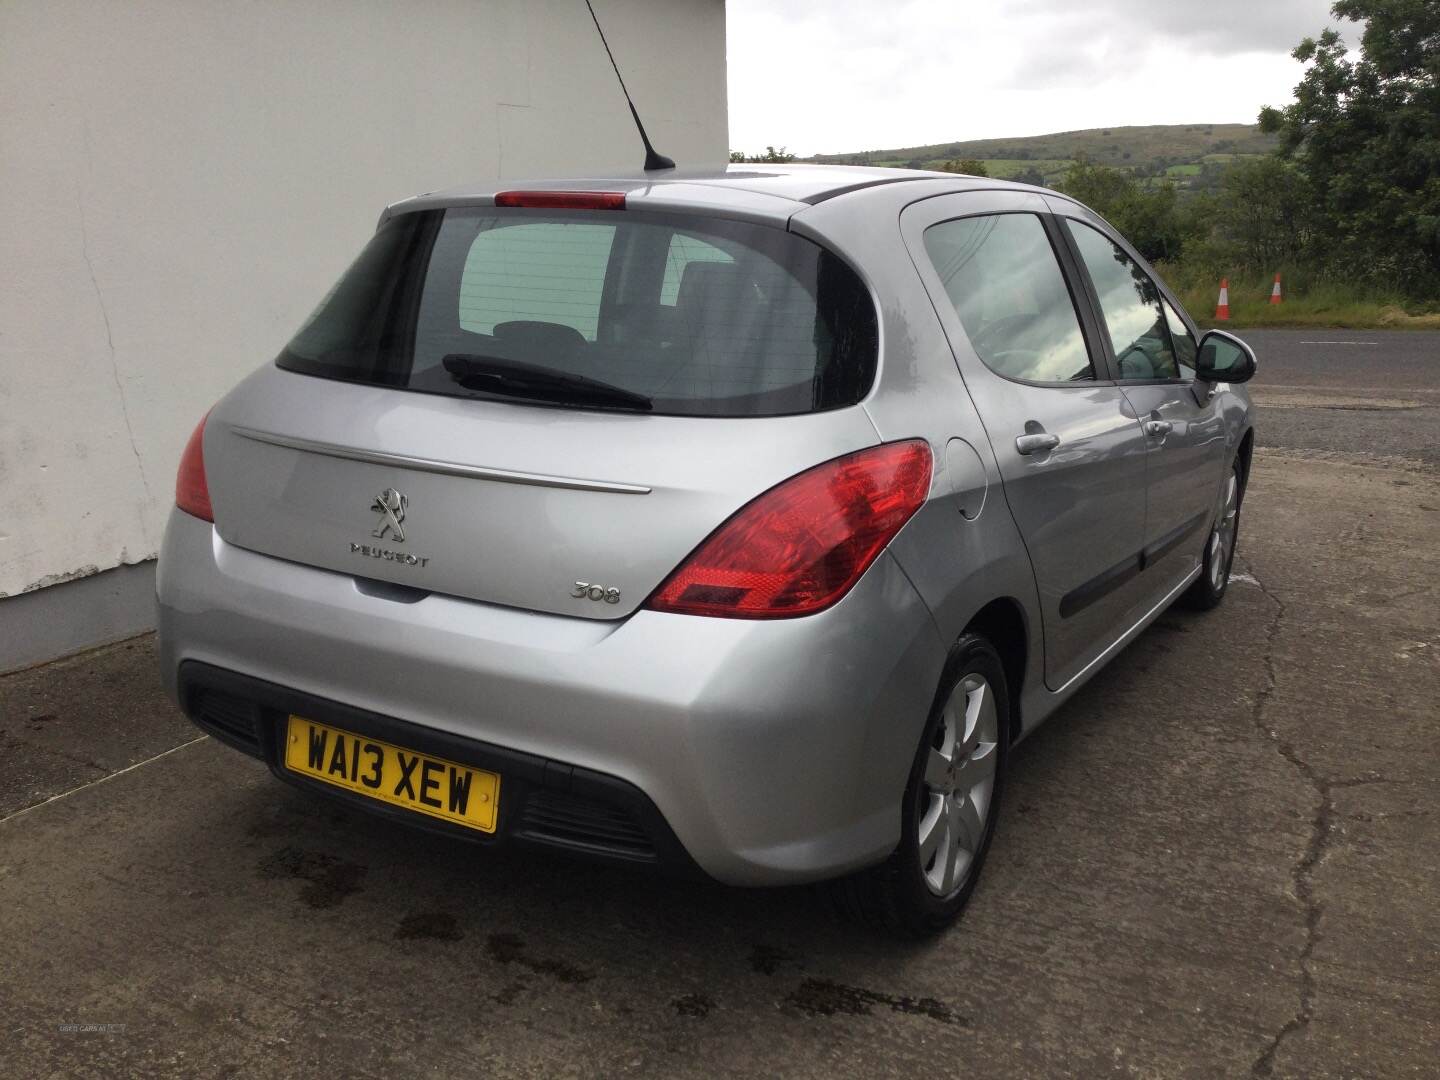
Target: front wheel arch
1245,453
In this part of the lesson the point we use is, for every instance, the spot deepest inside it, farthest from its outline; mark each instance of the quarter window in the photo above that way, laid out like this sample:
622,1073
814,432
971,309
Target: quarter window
1130,302
1005,284
1182,339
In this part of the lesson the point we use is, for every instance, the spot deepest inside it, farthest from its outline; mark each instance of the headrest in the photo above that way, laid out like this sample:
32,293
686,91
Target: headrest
702,281
538,338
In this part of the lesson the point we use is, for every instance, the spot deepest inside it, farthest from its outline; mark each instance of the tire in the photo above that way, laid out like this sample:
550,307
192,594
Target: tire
1209,588
913,894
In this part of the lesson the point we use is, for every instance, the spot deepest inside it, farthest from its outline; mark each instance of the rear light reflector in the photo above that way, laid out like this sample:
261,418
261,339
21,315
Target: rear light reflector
192,493
801,546
563,200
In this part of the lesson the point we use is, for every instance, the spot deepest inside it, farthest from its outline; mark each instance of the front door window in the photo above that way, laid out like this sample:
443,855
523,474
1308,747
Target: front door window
1130,303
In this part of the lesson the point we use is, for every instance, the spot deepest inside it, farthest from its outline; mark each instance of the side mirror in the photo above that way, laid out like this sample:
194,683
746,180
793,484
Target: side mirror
1224,357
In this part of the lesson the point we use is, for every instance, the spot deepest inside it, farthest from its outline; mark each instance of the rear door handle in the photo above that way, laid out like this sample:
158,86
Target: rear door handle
1157,427
1035,444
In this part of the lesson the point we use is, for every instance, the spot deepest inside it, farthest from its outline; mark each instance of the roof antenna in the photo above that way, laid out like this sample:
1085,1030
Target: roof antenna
653,160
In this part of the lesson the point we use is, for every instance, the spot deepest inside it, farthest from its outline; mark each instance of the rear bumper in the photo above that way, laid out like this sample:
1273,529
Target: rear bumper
542,802
772,752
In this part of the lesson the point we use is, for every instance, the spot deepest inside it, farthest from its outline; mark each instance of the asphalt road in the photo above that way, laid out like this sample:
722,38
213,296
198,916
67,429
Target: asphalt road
1372,393
1220,859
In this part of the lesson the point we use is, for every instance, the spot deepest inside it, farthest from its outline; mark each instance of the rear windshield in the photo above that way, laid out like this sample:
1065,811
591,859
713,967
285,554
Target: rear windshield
600,309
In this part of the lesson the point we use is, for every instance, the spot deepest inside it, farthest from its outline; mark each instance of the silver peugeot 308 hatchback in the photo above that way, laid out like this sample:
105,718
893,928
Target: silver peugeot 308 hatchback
735,522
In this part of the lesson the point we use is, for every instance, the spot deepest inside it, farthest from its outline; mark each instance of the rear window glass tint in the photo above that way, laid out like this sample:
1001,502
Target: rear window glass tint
685,250
549,271
701,317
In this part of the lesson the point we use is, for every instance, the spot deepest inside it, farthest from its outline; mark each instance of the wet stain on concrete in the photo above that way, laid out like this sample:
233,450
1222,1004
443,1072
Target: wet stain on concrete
328,879
696,1005
822,997
511,949
269,828
1170,626
509,993
767,960
429,926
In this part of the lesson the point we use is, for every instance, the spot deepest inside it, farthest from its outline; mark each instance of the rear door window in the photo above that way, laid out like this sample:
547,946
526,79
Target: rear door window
1130,304
1002,277
663,313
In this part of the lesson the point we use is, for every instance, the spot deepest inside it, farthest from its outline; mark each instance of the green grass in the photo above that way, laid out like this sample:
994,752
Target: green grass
1120,146
1050,168
1306,303
1001,168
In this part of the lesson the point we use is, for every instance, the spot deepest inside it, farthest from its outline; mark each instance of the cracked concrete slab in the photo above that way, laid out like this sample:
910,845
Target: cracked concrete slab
66,723
1352,706
1218,859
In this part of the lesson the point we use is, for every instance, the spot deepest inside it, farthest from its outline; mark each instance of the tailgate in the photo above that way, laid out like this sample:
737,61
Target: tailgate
499,502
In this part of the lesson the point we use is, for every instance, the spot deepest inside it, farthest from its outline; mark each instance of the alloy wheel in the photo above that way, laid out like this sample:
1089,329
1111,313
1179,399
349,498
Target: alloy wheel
1222,537
958,784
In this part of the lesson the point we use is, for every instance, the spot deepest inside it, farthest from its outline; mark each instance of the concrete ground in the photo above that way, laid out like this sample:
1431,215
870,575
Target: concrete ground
1221,858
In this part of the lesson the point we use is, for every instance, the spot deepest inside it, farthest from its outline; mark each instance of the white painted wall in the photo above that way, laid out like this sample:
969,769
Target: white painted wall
184,179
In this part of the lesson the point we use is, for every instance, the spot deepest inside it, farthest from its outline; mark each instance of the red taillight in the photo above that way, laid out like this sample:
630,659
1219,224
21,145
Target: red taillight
563,200
800,547
192,494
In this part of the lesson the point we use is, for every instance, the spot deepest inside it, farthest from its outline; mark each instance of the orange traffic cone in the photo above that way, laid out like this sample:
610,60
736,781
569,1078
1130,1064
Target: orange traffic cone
1275,291
1222,306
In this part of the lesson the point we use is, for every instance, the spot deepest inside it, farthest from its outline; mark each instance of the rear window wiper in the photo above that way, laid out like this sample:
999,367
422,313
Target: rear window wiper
517,378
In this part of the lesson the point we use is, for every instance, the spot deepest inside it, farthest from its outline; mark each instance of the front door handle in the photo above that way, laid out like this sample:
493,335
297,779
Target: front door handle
1035,444
1157,427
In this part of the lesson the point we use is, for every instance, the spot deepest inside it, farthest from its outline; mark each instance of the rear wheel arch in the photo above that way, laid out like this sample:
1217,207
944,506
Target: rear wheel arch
1002,622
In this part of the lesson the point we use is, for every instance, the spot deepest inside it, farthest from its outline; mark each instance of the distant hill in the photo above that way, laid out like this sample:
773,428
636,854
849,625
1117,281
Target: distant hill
1190,154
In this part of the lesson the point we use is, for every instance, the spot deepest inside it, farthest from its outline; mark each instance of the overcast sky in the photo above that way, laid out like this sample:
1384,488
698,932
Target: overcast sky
830,76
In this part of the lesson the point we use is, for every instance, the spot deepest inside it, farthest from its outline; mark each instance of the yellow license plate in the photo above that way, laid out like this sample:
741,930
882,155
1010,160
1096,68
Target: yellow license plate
428,785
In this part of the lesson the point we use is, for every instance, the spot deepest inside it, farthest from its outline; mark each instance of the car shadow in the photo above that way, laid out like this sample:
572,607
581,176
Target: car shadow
562,921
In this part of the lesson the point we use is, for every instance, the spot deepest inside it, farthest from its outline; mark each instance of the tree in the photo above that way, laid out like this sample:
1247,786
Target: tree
1150,218
772,156
967,166
1264,212
1366,135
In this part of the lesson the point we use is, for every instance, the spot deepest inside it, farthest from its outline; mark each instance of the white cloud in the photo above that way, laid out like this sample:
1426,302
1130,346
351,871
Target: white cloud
844,75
